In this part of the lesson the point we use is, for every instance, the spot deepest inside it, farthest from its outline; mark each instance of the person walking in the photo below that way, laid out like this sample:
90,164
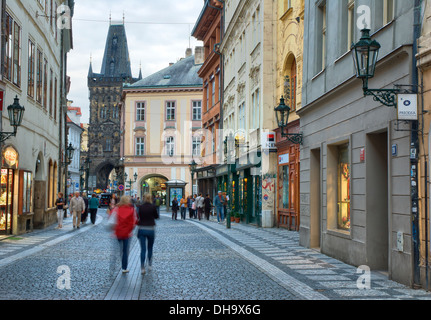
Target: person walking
60,202
218,203
77,207
183,205
125,221
200,205
158,203
189,206
174,208
147,214
93,205
207,206
85,214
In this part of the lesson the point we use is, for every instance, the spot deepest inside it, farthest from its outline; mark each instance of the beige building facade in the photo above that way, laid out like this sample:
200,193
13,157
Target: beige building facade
160,137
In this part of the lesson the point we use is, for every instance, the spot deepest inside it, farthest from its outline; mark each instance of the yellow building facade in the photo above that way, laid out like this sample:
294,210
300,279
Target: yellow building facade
290,39
162,129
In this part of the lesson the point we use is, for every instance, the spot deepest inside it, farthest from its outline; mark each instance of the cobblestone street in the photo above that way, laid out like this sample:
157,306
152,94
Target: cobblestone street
193,260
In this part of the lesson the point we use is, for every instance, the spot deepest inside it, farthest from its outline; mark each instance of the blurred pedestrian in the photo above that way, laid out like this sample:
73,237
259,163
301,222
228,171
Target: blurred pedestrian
158,203
207,206
175,207
147,214
200,205
77,207
93,205
218,203
125,221
85,214
189,206
60,202
183,205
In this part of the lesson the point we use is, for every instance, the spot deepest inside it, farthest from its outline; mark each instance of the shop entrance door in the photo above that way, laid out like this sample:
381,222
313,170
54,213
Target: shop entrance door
6,201
377,214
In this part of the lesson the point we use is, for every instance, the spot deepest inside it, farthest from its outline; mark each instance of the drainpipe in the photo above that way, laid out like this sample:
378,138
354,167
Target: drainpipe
414,144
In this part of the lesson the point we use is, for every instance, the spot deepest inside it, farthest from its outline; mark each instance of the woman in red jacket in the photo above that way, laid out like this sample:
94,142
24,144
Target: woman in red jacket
125,223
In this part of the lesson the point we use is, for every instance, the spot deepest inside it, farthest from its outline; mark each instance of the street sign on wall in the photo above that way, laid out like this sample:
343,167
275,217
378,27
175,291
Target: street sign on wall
407,107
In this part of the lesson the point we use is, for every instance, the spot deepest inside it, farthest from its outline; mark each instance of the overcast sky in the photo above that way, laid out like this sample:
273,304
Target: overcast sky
158,32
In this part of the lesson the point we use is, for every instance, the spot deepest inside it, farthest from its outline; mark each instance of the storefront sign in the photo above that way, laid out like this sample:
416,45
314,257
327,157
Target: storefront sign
407,107
10,158
283,158
362,155
268,141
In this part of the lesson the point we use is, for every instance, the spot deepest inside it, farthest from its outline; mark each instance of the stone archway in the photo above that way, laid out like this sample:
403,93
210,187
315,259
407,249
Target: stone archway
153,184
102,173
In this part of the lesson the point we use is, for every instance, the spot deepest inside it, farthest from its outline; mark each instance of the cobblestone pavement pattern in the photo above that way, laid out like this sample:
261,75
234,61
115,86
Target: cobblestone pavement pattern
192,261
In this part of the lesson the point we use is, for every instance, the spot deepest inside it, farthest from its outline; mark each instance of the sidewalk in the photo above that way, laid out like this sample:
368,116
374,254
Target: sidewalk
306,273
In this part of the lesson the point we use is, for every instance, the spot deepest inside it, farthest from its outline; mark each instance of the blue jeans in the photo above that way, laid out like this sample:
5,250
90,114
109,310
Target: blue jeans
124,249
144,236
220,214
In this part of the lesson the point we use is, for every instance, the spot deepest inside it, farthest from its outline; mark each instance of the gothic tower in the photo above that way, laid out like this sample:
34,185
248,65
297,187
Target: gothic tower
105,95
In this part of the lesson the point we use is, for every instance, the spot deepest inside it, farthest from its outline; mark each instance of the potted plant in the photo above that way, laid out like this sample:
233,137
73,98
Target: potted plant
232,216
237,217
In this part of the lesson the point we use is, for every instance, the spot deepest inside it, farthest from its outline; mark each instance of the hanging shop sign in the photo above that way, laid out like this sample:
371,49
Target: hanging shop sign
10,158
407,107
268,141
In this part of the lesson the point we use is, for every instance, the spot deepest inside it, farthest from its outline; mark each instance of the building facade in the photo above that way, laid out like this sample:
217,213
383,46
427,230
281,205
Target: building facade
74,133
290,40
33,70
208,29
161,136
355,199
249,53
424,67
105,96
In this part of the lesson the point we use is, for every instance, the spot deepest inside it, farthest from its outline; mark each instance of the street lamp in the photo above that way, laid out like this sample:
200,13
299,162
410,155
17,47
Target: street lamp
16,113
69,155
130,182
282,112
193,165
365,53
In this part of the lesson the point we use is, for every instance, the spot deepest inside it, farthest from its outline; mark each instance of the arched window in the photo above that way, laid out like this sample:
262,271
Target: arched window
290,82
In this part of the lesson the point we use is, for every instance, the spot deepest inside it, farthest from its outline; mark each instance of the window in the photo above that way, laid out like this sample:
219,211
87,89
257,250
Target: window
241,116
108,145
196,110
321,38
39,76
170,110
213,139
17,56
51,93
256,109
140,146
350,23
25,191
103,112
343,187
31,60
140,111
196,146
8,47
388,11
213,90
115,112
45,83
208,97
55,98
170,146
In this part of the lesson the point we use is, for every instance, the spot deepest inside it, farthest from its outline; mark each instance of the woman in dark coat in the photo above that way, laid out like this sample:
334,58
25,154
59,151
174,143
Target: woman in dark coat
174,208
207,206
146,230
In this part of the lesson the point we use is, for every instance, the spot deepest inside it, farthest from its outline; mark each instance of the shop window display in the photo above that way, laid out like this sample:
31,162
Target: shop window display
343,188
6,197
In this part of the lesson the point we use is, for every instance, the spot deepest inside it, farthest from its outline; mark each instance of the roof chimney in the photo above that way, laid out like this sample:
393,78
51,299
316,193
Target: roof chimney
199,55
189,52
